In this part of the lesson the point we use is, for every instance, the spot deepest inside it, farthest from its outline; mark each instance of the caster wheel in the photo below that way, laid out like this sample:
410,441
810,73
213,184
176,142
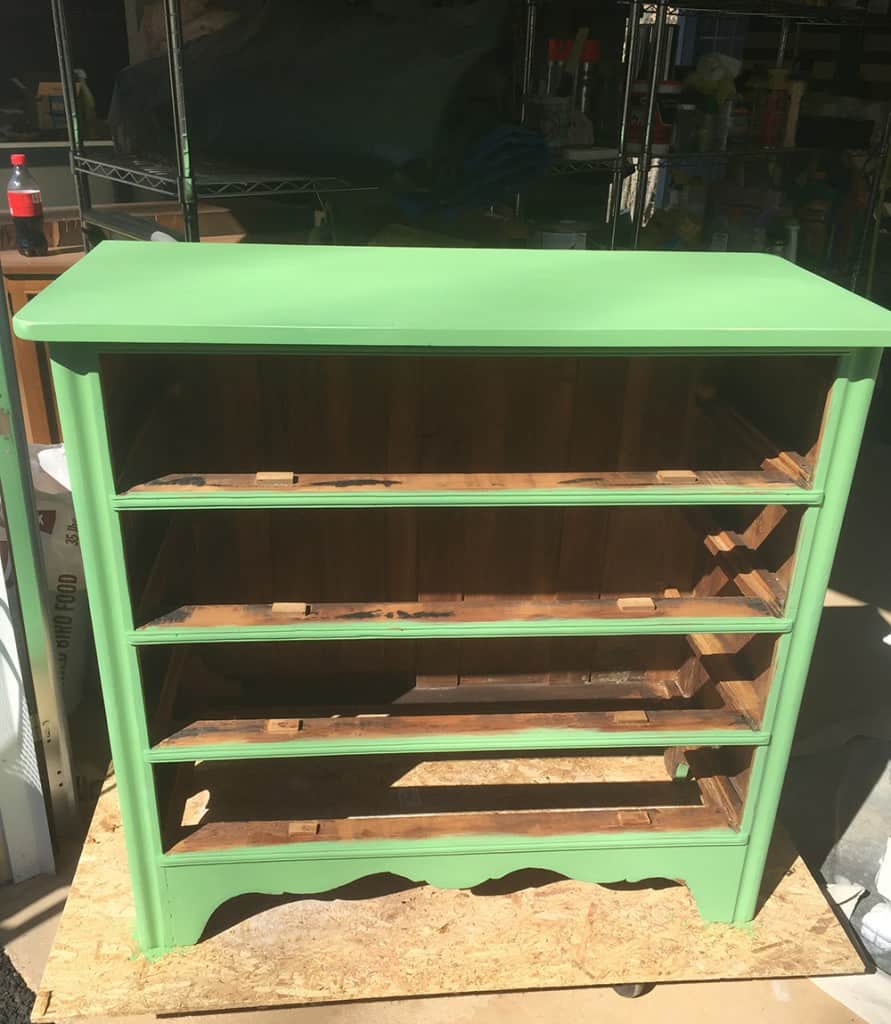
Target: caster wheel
632,991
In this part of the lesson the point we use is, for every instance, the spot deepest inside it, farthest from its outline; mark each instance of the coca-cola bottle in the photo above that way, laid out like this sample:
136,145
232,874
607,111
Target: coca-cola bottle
26,208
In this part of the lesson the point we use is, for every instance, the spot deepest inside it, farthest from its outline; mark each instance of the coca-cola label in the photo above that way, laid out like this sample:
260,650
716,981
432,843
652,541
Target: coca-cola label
25,204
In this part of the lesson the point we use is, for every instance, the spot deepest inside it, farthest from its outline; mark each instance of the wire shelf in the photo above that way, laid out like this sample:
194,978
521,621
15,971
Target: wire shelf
802,13
162,179
147,176
568,166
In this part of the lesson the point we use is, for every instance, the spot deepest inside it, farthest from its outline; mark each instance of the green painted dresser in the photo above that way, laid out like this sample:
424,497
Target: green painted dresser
451,563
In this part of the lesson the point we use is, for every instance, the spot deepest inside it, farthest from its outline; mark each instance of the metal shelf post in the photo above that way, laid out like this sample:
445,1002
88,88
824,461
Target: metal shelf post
632,35
872,214
528,54
646,149
526,76
185,180
72,122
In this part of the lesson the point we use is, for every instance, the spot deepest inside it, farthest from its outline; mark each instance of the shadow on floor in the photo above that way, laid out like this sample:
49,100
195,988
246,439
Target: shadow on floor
837,797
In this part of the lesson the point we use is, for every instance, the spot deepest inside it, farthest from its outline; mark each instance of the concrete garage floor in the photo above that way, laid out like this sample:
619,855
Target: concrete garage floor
29,912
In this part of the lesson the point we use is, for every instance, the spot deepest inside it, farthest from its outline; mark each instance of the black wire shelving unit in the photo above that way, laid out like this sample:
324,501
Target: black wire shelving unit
181,182
188,186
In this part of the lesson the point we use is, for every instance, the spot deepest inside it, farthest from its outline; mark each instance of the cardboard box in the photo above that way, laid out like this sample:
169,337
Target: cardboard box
50,107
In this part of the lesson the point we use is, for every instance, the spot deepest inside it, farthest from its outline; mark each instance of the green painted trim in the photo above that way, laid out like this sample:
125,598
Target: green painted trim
832,423
752,811
710,867
531,739
751,806
804,544
769,769
461,846
800,586
545,497
80,404
413,630
513,342
803,550
545,350
781,656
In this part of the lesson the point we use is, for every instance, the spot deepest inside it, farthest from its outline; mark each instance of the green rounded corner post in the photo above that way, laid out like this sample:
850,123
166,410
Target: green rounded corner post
79,396
841,447
90,310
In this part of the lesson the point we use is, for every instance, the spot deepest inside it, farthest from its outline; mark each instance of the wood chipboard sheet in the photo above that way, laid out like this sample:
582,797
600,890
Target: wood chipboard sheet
384,938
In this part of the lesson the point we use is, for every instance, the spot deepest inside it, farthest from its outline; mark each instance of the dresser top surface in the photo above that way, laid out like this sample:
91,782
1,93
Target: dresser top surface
318,296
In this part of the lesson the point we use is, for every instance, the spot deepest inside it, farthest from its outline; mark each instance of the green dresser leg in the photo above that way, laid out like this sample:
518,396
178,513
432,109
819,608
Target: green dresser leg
714,880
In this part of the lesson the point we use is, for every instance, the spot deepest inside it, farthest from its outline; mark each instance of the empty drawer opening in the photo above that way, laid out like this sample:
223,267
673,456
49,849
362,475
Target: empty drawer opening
186,422
217,805
392,567
391,691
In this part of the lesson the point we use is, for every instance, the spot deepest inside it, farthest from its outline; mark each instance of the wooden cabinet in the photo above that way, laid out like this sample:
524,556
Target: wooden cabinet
451,563
23,278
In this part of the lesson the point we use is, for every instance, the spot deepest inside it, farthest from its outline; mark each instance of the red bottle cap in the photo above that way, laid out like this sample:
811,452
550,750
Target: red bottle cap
560,49
17,159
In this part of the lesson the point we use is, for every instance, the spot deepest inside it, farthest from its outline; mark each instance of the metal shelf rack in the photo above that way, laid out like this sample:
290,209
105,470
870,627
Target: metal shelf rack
162,179
181,182
798,13
188,186
642,156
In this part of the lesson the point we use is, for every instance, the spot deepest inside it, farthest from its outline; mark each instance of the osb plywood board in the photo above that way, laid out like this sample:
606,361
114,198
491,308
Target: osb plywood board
384,938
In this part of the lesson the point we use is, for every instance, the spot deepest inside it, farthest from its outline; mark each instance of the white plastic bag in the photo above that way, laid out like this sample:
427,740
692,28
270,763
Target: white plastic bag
67,598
